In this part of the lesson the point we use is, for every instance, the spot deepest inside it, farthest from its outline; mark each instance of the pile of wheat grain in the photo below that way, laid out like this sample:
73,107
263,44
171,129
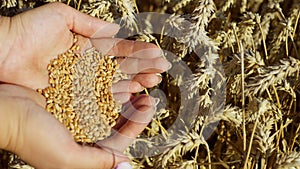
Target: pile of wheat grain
79,94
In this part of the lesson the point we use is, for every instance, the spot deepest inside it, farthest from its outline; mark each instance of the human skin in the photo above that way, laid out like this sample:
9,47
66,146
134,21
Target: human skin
31,39
39,139
28,42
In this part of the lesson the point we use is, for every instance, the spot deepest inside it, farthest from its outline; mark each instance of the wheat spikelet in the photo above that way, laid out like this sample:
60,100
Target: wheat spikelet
273,75
181,4
282,33
263,136
253,63
99,9
197,34
8,3
227,5
288,161
246,27
232,115
243,6
265,24
128,13
254,5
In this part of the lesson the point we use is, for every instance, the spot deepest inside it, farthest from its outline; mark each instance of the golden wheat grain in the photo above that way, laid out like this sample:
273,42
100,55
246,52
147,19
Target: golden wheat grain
79,96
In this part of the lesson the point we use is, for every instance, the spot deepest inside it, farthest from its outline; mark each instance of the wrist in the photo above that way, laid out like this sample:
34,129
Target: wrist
5,40
4,124
9,123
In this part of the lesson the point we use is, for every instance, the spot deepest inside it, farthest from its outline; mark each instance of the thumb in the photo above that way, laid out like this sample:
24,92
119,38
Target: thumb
92,157
84,24
40,140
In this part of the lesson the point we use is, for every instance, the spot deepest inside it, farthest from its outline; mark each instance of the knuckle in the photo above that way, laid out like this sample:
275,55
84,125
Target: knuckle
57,5
157,63
146,100
135,86
151,81
151,45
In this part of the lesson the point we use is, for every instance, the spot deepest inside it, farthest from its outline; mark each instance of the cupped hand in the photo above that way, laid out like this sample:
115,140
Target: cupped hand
39,35
39,139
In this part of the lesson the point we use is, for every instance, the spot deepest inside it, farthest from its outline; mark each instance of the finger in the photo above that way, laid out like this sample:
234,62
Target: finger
131,109
9,90
141,100
135,66
148,80
119,123
122,97
129,48
84,43
84,24
126,86
138,101
129,131
142,106
43,137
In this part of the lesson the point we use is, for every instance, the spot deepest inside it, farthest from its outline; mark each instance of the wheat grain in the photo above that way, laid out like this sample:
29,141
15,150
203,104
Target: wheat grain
90,112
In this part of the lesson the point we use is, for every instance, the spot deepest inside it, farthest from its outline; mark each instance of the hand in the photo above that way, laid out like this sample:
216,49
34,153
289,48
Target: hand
39,139
39,35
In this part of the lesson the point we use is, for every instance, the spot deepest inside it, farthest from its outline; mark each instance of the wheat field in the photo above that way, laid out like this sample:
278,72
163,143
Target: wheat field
231,99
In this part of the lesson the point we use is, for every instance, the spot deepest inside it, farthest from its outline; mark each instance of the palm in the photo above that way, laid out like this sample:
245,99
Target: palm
38,135
37,43
42,33
38,36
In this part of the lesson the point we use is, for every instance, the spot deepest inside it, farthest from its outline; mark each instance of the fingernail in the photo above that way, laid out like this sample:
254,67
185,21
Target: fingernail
124,165
142,89
159,52
159,79
170,66
113,27
157,100
162,53
150,52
